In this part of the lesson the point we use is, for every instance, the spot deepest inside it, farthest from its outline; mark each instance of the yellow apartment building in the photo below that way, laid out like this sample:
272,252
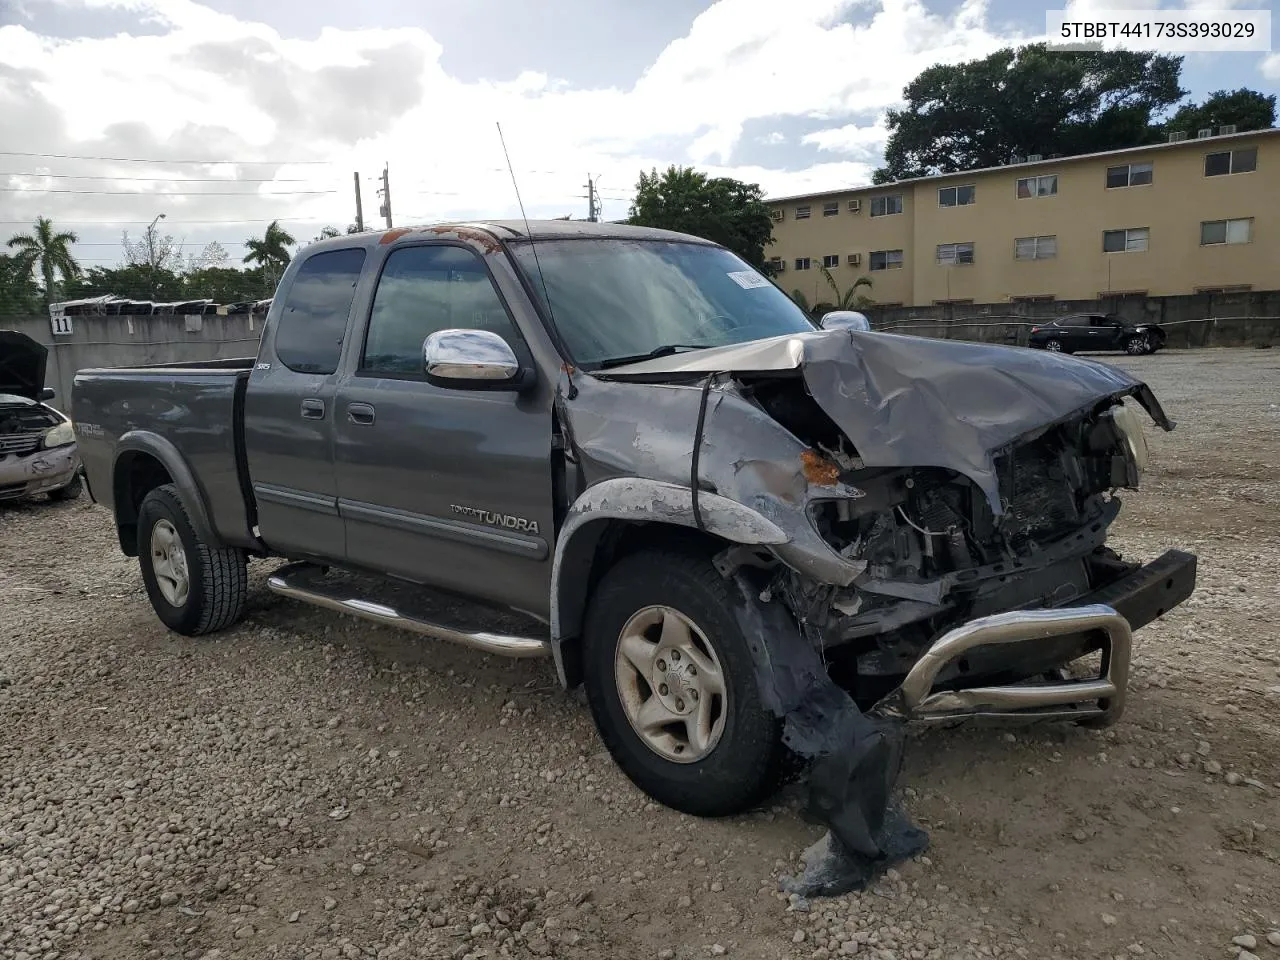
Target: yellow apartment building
1197,215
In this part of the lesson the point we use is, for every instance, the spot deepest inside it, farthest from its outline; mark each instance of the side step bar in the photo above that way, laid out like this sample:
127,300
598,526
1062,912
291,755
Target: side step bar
299,582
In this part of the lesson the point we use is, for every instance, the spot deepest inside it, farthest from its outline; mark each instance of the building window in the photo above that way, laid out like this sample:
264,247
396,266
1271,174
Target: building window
886,259
956,196
1244,160
1035,248
1226,231
802,263
775,264
886,206
1128,175
1046,186
830,209
1132,240
953,253
831,260
802,213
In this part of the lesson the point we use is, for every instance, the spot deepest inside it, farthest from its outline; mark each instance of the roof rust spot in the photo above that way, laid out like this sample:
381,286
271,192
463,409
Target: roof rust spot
482,238
818,469
391,236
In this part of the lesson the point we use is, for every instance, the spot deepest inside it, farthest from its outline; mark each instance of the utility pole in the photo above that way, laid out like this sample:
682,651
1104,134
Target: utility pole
359,205
385,209
593,201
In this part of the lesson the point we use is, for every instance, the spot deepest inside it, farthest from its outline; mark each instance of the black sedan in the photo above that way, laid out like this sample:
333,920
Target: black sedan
1091,332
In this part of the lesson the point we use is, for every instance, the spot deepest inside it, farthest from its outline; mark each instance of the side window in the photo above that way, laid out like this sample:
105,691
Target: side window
423,290
314,319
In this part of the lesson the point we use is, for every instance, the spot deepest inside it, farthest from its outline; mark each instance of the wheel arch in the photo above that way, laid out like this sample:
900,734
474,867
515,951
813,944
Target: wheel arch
144,461
617,516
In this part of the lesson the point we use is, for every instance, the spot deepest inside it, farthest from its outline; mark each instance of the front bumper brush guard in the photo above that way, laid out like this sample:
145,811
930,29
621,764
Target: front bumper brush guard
1099,700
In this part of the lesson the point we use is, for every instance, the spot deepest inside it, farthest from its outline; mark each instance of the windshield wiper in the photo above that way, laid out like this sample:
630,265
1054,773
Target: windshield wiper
666,350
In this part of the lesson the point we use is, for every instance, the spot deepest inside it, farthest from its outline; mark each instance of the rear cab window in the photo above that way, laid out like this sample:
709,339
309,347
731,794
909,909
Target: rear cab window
313,320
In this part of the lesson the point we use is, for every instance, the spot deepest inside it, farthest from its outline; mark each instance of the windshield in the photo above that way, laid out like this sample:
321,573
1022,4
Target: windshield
617,299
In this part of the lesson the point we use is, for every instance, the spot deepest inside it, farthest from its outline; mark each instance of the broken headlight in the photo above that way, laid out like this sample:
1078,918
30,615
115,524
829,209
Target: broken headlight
1130,429
59,436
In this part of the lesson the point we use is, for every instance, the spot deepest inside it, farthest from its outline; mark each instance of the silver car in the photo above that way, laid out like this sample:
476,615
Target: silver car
37,443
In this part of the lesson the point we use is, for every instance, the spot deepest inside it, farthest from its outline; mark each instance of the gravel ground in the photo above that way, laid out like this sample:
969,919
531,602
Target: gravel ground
309,786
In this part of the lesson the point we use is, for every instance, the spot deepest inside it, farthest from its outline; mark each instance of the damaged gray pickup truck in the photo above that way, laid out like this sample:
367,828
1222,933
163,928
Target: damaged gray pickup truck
750,539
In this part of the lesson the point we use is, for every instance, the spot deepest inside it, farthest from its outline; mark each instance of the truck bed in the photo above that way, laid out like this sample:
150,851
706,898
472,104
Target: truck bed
130,416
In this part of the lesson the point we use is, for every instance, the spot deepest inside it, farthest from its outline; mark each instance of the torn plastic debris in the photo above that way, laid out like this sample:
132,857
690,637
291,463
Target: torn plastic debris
855,759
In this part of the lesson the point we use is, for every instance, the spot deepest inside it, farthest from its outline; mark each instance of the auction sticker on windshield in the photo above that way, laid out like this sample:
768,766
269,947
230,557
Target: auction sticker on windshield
748,279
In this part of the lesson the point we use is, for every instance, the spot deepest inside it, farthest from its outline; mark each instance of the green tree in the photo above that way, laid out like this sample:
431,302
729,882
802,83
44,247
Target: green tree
1247,109
849,299
19,294
133,281
1026,101
326,233
270,253
222,285
719,209
47,253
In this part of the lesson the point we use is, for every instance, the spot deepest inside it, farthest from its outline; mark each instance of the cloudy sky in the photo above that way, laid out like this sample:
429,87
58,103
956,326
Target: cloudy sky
291,98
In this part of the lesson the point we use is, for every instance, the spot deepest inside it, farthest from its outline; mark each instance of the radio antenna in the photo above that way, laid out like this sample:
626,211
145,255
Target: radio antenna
546,297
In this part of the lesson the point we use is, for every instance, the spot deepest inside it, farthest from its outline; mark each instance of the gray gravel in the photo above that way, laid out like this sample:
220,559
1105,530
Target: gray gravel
307,786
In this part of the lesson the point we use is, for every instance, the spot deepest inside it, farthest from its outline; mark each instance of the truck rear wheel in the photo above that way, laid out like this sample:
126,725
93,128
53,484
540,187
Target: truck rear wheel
194,588
672,687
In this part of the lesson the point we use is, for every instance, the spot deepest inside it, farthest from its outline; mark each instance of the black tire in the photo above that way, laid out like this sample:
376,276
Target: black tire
749,761
71,491
218,579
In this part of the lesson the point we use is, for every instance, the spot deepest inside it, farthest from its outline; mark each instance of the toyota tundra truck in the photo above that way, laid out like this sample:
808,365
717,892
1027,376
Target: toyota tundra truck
751,538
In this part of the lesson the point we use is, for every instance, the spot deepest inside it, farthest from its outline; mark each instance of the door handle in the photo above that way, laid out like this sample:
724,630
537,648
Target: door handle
360,412
312,409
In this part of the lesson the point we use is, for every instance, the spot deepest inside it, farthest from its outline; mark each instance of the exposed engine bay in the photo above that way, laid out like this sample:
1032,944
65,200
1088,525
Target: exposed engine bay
936,554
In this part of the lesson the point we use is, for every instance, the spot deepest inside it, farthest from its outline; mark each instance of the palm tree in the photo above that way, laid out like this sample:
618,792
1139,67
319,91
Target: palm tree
849,299
271,252
46,252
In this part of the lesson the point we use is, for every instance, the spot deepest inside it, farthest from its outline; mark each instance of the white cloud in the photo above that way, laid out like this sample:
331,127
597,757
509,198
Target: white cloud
866,143
773,138
1271,67
212,85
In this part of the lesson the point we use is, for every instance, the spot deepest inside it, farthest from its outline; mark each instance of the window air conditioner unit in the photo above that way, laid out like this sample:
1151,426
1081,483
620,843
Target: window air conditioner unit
855,259
775,215
1204,132
1177,136
855,206
779,265
1033,157
1017,159
1226,128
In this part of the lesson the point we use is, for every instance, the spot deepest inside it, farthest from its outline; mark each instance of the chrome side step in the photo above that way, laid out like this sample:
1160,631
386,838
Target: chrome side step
301,582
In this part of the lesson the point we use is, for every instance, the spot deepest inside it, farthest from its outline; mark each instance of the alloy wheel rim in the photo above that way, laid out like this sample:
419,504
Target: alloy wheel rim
169,563
671,684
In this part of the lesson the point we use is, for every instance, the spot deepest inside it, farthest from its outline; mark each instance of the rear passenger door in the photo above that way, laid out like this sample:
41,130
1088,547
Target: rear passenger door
289,408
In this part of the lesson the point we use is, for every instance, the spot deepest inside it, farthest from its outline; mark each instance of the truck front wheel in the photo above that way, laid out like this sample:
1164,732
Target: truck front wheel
672,688
194,588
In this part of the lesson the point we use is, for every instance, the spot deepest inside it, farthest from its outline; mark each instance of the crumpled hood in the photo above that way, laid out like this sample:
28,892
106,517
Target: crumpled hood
917,401
22,363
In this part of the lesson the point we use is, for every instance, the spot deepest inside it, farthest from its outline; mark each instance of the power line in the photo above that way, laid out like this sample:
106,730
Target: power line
161,160
28,221
152,196
77,176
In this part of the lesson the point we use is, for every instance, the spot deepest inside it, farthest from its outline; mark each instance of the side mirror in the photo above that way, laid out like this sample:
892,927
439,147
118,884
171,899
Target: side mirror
48,393
844,320
471,359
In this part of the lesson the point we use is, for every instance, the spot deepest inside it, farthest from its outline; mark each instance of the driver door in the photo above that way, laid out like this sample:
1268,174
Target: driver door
444,486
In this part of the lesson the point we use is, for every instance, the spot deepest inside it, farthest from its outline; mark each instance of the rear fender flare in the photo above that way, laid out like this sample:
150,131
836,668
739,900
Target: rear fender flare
638,500
169,457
